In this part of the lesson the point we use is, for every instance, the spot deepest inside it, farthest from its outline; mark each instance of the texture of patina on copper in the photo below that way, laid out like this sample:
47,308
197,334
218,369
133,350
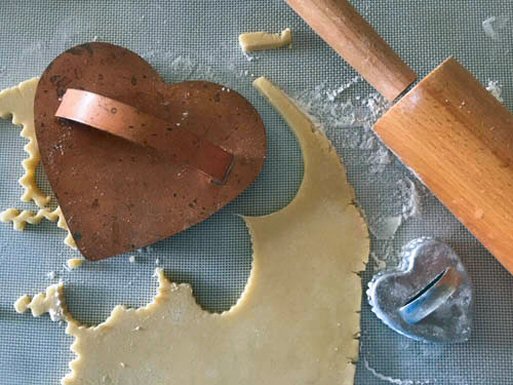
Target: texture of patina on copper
118,192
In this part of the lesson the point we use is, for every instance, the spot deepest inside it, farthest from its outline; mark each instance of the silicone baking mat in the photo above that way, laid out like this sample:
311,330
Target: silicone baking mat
198,40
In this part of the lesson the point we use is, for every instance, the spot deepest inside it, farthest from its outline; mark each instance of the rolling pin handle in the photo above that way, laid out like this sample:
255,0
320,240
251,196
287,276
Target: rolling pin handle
339,24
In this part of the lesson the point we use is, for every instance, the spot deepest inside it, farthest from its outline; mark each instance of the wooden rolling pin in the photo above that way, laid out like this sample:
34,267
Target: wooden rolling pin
455,136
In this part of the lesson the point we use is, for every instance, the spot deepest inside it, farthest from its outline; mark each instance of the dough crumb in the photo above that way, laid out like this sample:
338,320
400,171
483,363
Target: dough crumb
131,259
257,41
74,263
21,304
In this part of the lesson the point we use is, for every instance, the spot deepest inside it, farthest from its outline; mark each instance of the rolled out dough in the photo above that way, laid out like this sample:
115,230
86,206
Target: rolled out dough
258,41
296,322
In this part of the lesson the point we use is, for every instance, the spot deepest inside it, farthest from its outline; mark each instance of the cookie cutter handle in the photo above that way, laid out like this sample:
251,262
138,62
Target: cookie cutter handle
431,297
127,122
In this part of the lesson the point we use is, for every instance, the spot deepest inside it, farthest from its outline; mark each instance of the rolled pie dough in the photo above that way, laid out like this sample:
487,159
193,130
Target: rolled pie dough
257,41
296,322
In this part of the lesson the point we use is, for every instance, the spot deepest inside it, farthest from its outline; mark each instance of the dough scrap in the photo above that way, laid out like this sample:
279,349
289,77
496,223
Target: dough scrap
19,220
51,301
258,41
18,102
297,319
74,263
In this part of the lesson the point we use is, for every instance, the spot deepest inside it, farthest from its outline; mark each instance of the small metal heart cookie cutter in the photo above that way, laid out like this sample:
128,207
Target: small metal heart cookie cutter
428,297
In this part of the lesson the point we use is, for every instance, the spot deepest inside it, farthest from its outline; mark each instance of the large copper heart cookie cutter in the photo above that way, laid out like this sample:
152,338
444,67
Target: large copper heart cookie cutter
132,159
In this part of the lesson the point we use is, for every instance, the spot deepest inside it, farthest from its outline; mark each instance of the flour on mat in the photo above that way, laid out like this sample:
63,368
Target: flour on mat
395,381
328,106
378,160
494,26
384,228
381,264
410,198
51,275
348,120
385,255
495,89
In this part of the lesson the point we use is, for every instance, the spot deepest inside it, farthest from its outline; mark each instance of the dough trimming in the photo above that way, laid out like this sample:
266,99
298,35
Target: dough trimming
258,41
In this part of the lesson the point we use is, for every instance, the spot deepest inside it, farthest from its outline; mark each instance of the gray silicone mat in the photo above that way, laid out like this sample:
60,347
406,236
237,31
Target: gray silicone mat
198,40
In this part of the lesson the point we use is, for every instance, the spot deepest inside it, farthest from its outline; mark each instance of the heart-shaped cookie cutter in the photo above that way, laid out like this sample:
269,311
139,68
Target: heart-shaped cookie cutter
133,159
428,297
